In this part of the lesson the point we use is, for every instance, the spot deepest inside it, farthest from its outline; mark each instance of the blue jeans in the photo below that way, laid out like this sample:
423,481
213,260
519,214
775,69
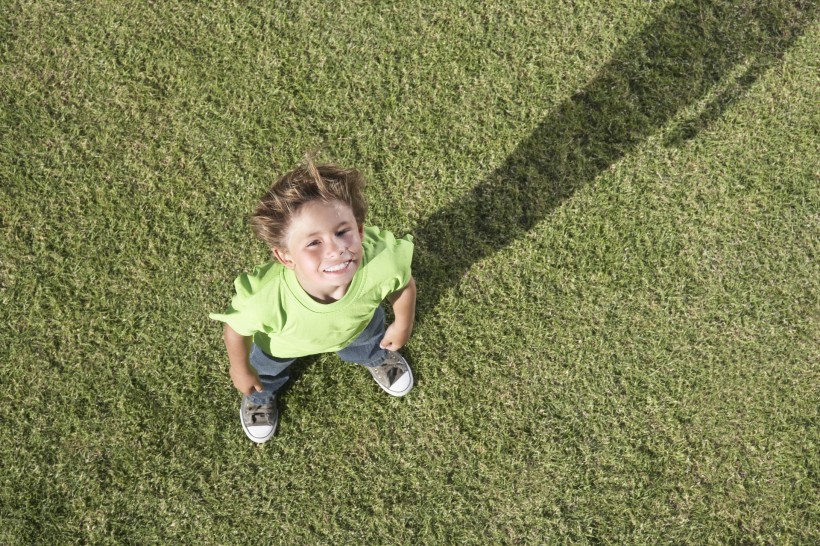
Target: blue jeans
273,372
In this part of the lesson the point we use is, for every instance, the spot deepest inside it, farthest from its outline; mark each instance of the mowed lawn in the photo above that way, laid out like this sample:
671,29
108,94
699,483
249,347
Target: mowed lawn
616,210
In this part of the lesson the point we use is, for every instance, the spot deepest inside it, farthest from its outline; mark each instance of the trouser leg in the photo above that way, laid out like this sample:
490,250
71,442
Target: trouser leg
272,372
365,349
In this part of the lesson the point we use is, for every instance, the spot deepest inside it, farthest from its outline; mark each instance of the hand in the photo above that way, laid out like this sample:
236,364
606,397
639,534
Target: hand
395,337
246,380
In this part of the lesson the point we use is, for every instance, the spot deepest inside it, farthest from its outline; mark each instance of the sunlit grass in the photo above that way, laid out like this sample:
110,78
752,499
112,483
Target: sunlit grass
618,286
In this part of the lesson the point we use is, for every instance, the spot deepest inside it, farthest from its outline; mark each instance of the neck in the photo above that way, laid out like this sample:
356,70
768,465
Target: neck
324,295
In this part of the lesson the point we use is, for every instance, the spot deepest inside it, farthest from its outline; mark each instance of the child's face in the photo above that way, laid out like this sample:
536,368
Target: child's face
324,248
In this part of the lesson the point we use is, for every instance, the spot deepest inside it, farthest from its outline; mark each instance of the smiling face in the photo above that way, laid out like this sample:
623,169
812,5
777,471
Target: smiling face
324,248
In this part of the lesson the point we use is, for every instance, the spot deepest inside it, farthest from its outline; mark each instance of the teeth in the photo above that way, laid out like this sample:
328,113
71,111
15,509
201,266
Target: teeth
338,267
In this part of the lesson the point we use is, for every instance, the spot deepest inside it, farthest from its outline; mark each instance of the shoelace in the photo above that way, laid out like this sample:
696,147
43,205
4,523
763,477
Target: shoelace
391,369
259,414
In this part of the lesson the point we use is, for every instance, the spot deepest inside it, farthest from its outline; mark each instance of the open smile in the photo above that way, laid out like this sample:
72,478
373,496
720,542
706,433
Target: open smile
339,268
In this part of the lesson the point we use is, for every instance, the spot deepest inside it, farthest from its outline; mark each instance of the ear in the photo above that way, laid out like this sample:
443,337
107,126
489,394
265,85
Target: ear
283,257
361,231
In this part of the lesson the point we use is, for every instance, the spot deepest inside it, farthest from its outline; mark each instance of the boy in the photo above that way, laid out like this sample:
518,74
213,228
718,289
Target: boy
323,292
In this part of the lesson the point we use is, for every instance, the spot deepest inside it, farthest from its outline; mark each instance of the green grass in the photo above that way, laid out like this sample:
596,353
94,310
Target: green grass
615,207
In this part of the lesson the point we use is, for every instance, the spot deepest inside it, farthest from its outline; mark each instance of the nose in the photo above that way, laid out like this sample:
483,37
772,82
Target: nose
338,248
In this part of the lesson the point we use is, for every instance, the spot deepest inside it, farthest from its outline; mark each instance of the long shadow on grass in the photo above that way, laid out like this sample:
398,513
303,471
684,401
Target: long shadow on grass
692,47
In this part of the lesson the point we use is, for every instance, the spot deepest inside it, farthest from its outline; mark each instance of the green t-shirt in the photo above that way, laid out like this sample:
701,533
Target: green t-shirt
286,322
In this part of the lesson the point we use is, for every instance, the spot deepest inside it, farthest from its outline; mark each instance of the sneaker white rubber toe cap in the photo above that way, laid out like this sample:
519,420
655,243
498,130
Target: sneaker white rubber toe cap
259,433
402,385
258,421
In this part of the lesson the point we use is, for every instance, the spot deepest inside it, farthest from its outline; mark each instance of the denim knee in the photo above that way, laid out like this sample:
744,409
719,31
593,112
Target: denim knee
365,348
272,373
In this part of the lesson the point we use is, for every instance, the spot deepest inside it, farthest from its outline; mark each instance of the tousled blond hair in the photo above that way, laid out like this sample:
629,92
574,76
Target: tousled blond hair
307,182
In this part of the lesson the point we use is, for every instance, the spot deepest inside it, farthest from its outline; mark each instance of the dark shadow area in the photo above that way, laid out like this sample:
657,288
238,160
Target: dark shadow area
296,371
690,48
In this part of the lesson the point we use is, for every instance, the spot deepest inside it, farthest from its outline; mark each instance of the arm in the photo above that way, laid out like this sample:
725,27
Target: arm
404,308
244,377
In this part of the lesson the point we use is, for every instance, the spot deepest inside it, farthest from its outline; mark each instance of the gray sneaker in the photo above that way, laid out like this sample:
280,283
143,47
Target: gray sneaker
393,375
259,421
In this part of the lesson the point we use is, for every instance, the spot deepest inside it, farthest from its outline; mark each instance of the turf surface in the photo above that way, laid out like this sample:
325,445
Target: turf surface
615,207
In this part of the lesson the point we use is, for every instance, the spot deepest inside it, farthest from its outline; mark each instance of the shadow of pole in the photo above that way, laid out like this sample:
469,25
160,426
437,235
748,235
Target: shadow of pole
673,63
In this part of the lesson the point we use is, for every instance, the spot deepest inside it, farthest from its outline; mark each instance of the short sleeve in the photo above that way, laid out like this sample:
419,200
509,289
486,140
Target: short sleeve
389,260
241,315
404,259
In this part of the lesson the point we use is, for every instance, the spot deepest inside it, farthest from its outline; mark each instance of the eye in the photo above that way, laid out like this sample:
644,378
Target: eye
342,232
313,243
